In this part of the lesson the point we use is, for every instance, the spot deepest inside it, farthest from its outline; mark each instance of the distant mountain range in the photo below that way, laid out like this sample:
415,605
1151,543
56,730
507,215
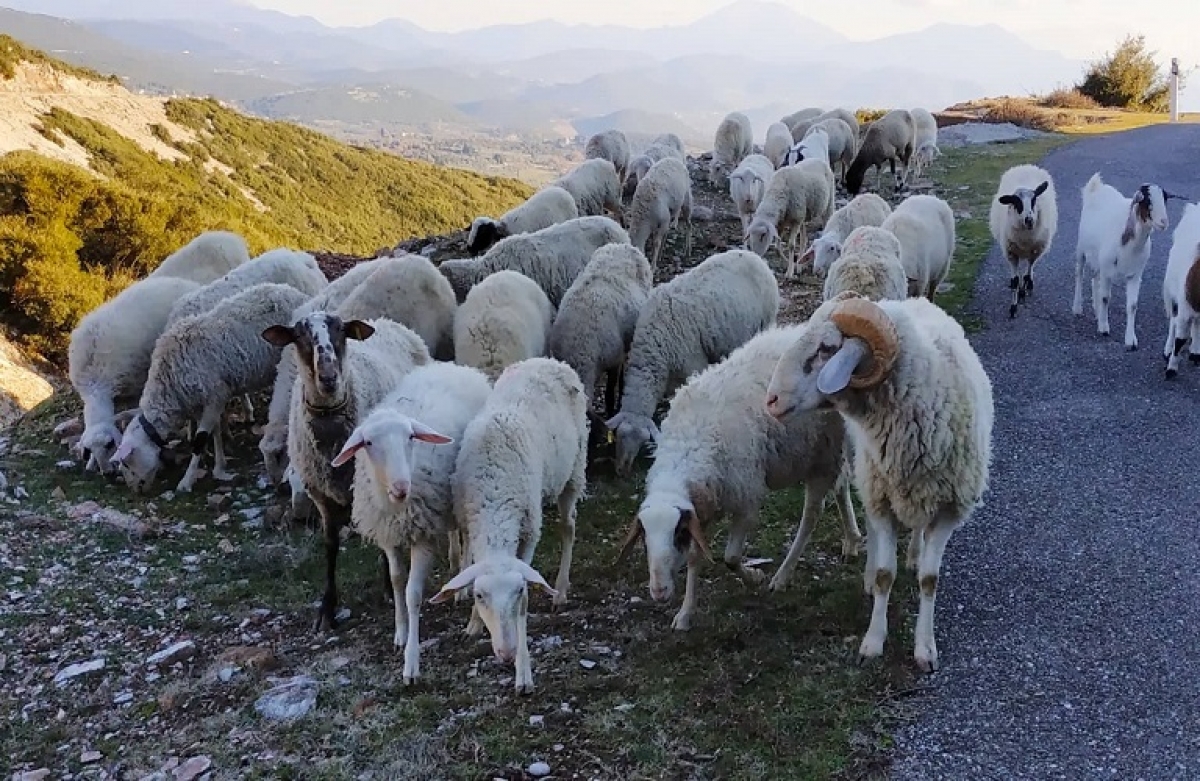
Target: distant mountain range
542,79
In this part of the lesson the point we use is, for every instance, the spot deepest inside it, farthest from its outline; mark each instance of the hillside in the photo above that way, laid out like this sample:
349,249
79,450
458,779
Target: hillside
98,184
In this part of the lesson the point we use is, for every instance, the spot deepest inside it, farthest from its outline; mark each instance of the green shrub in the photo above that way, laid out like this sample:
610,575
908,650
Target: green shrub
1128,78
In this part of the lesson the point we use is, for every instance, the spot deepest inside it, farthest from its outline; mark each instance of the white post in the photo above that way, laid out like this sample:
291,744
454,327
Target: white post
1174,89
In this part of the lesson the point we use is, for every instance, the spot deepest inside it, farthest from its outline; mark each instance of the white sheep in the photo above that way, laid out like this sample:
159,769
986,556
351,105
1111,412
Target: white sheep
406,449
802,115
814,146
918,406
924,224
925,148
526,446
779,141
1114,242
1181,291
552,257
748,184
594,186
662,201
109,357
889,139
205,258
548,206
610,145
867,209
346,368
505,319
666,145
1023,220
283,266
199,364
733,140
411,291
870,265
841,142
720,453
799,199
694,320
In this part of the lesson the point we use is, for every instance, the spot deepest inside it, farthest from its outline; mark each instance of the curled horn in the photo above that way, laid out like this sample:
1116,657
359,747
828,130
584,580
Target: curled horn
846,295
636,532
697,534
863,319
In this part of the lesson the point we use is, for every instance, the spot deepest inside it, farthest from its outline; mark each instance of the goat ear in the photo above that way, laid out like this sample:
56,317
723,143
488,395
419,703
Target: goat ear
352,446
1041,188
457,583
426,434
836,373
279,335
357,329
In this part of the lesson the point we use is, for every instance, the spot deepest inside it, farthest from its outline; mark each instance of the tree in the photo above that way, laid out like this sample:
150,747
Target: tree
1128,78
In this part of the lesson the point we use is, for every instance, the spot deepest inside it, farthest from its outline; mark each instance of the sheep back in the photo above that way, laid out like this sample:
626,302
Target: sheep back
205,258
410,291
777,144
284,266
505,319
869,265
548,206
924,224
610,145
594,186
734,140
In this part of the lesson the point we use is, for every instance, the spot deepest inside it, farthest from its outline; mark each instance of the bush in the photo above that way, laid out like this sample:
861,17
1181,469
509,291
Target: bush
1069,98
1022,114
1128,78
865,116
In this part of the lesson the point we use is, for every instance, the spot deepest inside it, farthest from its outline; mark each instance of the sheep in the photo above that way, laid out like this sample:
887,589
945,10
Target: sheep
1114,242
721,453
205,258
1181,291
747,185
925,148
593,329
870,265
888,139
734,140
109,358
814,146
594,186
1023,220
918,406
284,266
924,224
546,207
404,455
862,210
666,145
800,116
779,141
839,113
552,257
693,320
663,201
346,367
505,319
799,198
199,364
668,142
841,142
610,145
527,445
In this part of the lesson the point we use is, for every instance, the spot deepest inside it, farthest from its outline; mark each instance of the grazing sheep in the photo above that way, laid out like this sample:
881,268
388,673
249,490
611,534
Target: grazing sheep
696,319
814,146
610,145
889,139
800,116
779,141
109,358
844,115
841,142
734,140
924,224
870,265
408,290
799,199
283,266
594,186
1023,220
919,410
748,184
1181,291
925,148
505,319
345,369
544,208
862,210
666,145
205,258
406,451
526,446
662,201
721,453
1114,242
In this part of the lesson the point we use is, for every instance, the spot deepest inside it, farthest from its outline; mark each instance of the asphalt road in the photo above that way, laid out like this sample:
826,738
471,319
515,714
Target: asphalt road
1068,622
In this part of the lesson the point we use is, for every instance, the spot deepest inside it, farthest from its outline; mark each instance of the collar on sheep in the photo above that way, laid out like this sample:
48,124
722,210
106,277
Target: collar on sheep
319,411
151,432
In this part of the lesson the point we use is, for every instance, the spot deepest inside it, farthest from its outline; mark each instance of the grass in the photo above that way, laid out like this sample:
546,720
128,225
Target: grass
1061,111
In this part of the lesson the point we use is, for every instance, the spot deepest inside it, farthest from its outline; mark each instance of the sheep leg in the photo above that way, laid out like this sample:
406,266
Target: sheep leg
851,536
524,677
1101,291
421,561
915,545
1014,282
210,420
458,556
735,546
611,381
656,249
220,463
566,525
814,501
333,517
397,575
1077,303
683,619
924,645
882,537
1194,347
1133,288
1180,324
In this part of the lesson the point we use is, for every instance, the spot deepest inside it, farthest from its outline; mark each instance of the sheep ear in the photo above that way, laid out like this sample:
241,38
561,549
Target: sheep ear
534,577
692,521
457,583
123,450
352,446
280,335
426,434
357,329
836,373
612,423
1041,188
1009,200
635,533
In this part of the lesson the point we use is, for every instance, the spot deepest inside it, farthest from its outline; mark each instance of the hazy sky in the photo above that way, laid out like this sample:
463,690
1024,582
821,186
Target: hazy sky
1077,28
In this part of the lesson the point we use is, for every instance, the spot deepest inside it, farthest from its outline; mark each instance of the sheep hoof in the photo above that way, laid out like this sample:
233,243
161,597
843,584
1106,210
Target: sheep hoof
223,476
1105,334
1172,374
525,689
1194,359
1012,311
1130,348
410,680
778,584
682,621
324,623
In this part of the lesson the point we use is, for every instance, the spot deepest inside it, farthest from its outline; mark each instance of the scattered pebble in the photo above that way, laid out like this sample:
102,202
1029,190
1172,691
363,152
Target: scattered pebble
65,465
289,700
75,670
184,649
88,757
58,494
123,698
33,775
586,664
537,721
193,768
539,769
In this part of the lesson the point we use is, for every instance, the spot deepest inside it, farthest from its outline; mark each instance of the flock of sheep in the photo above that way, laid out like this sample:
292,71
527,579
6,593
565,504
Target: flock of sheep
439,407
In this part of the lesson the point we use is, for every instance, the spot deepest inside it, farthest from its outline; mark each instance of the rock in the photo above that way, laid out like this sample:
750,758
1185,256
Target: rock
193,768
539,769
88,757
225,546
586,664
537,721
219,501
65,465
181,603
32,775
58,494
69,428
184,649
253,657
75,670
288,701
20,493
226,674
91,511
123,698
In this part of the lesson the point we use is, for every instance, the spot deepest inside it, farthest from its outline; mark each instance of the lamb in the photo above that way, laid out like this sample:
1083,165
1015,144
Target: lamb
346,368
552,257
505,319
594,186
527,445
199,364
109,358
207,257
406,449
1023,220
662,201
696,319
918,406
747,185
799,198
734,140
1181,291
544,208
925,148
666,145
610,145
1114,242
284,266
924,224
800,116
889,139
779,141
721,453
841,142
870,265
862,210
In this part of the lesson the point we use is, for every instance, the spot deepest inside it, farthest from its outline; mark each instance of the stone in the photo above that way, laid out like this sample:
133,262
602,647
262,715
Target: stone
193,768
539,769
75,670
177,652
255,657
290,700
88,757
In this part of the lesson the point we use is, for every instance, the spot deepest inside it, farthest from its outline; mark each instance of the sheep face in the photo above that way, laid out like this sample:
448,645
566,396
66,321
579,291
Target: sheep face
718,172
632,433
1022,205
823,251
388,440
137,455
484,233
669,532
501,588
320,340
793,387
1150,206
760,236
98,443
